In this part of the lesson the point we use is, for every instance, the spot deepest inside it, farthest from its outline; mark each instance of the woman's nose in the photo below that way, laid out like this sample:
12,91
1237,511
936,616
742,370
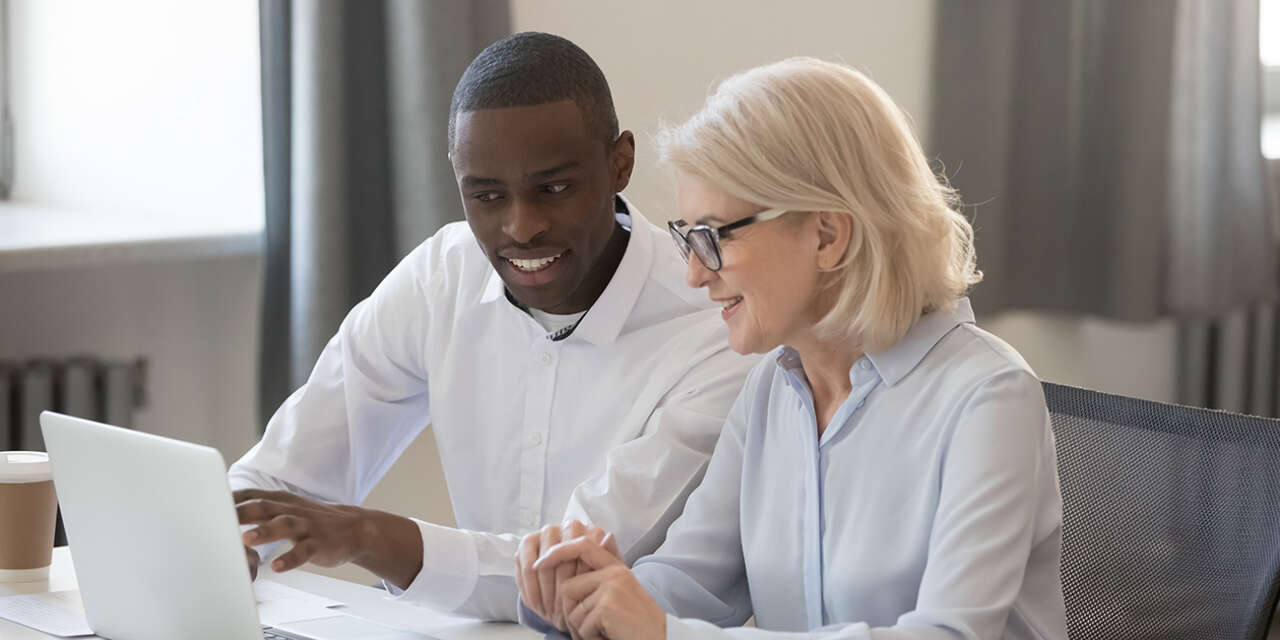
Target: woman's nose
697,275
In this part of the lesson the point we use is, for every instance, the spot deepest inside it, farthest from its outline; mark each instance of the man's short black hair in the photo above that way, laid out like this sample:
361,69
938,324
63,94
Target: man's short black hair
534,68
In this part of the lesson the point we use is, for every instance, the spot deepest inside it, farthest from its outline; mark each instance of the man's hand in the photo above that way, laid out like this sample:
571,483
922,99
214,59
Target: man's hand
605,601
538,588
251,555
330,535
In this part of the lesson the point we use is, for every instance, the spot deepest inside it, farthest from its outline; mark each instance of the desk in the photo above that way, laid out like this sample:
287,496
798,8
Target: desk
362,601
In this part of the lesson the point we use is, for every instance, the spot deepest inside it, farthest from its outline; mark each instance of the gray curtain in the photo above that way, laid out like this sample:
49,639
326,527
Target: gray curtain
355,106
1110,153
6,119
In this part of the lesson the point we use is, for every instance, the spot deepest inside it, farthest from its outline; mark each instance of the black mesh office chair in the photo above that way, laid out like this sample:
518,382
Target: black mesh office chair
1171,518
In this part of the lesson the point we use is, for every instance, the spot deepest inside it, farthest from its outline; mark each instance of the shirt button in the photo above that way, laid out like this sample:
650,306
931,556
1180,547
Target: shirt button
865,365
544,358
535,438
527,519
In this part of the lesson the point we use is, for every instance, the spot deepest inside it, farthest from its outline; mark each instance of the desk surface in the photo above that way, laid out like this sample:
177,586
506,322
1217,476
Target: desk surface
362,601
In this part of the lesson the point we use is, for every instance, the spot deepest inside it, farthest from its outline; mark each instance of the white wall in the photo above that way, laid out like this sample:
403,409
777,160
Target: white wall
195,322
1128,358
662,57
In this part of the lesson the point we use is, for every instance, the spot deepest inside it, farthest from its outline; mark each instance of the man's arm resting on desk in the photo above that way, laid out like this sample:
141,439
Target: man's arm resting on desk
454,570
387,545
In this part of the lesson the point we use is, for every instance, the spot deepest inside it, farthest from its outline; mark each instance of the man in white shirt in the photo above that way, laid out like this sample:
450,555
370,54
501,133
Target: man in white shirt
567,370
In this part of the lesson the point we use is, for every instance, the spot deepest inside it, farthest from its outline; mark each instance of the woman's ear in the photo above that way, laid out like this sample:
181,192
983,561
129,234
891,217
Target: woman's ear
834,231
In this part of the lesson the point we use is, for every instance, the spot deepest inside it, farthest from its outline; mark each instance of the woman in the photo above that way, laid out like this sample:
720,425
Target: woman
888,470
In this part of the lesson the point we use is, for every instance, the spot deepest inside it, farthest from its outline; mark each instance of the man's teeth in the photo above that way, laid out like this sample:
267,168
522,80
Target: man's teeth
725,304
533,265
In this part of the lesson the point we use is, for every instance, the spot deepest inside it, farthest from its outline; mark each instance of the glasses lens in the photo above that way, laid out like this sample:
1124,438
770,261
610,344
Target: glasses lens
681,243
705,247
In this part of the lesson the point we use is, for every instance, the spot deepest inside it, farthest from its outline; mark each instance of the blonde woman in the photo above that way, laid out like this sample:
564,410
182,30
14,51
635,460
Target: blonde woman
888,470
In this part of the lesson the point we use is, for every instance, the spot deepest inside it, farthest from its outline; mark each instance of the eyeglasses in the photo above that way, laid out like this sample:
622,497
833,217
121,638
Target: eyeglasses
704,241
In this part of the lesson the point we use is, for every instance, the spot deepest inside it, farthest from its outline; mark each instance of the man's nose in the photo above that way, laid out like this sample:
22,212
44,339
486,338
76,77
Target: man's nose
525,221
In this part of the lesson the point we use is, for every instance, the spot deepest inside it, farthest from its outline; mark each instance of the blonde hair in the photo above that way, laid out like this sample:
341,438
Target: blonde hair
808,135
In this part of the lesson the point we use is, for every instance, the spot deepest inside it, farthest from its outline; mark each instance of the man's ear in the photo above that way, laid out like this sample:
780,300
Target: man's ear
623,157
834,232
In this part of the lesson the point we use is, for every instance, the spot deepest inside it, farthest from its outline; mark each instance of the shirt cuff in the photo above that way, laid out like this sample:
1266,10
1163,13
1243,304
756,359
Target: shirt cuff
678,630
449,569
528,618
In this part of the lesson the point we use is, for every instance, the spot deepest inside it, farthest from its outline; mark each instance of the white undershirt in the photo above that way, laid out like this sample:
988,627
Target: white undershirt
552,322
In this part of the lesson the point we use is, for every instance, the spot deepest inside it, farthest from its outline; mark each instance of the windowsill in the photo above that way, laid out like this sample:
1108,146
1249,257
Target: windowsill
36,236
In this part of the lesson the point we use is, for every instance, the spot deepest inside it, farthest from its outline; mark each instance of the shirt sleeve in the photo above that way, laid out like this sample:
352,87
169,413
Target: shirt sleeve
999,467
365,401
641,490
699,571
647,480
464,572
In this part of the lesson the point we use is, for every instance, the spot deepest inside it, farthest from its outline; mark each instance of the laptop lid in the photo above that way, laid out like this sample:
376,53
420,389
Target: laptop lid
153,533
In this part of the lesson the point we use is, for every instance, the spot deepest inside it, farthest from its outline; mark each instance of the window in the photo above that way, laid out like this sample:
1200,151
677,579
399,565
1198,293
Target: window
137,107
1269,50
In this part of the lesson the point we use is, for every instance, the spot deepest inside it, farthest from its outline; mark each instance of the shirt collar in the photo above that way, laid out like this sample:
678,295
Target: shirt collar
893,364
604,320
897,361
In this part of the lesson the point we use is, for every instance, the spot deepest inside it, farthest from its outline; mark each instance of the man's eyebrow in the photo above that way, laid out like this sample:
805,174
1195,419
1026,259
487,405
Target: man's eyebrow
547,173
474,181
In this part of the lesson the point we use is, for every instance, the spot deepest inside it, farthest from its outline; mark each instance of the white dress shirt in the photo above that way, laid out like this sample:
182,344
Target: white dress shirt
612,425
928,508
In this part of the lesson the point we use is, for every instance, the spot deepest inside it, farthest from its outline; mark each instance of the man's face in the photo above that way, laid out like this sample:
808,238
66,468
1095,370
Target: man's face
538,187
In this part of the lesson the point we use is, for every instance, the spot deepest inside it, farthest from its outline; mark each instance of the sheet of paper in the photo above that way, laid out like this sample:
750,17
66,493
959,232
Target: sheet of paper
277,612
269,590
61,613
58,613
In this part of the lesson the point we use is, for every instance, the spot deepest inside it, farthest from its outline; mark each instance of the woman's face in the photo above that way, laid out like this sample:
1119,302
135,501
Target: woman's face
768,283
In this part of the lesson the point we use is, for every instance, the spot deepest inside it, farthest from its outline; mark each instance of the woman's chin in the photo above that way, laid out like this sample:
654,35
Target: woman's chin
744,343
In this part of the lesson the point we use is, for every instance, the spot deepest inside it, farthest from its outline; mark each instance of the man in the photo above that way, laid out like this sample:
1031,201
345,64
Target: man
566,369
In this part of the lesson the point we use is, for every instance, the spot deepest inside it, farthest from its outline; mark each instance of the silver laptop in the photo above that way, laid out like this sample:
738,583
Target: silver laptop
156,542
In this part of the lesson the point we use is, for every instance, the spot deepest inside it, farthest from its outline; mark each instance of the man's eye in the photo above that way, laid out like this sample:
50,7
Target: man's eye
556,188
486,196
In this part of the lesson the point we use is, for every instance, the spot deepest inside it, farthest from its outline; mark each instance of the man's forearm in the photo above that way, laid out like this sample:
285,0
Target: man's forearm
392,548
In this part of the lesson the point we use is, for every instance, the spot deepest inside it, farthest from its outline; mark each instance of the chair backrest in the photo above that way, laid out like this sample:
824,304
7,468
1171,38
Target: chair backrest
1171,518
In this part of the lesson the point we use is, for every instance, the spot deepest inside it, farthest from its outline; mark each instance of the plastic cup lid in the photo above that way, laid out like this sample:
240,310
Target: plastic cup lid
25,466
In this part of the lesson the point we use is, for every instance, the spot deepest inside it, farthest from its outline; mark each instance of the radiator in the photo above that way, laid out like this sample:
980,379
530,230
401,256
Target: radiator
103,390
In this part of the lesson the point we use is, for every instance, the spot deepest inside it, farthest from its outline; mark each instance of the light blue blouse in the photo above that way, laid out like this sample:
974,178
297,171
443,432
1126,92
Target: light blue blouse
929,508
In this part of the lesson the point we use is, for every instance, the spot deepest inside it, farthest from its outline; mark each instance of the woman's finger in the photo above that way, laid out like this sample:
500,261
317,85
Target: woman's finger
562,574
610,544
578,612
547,579
583,549
528,576
577,589
592,627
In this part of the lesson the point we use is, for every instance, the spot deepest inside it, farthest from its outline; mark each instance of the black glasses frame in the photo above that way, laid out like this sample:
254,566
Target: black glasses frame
704,241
